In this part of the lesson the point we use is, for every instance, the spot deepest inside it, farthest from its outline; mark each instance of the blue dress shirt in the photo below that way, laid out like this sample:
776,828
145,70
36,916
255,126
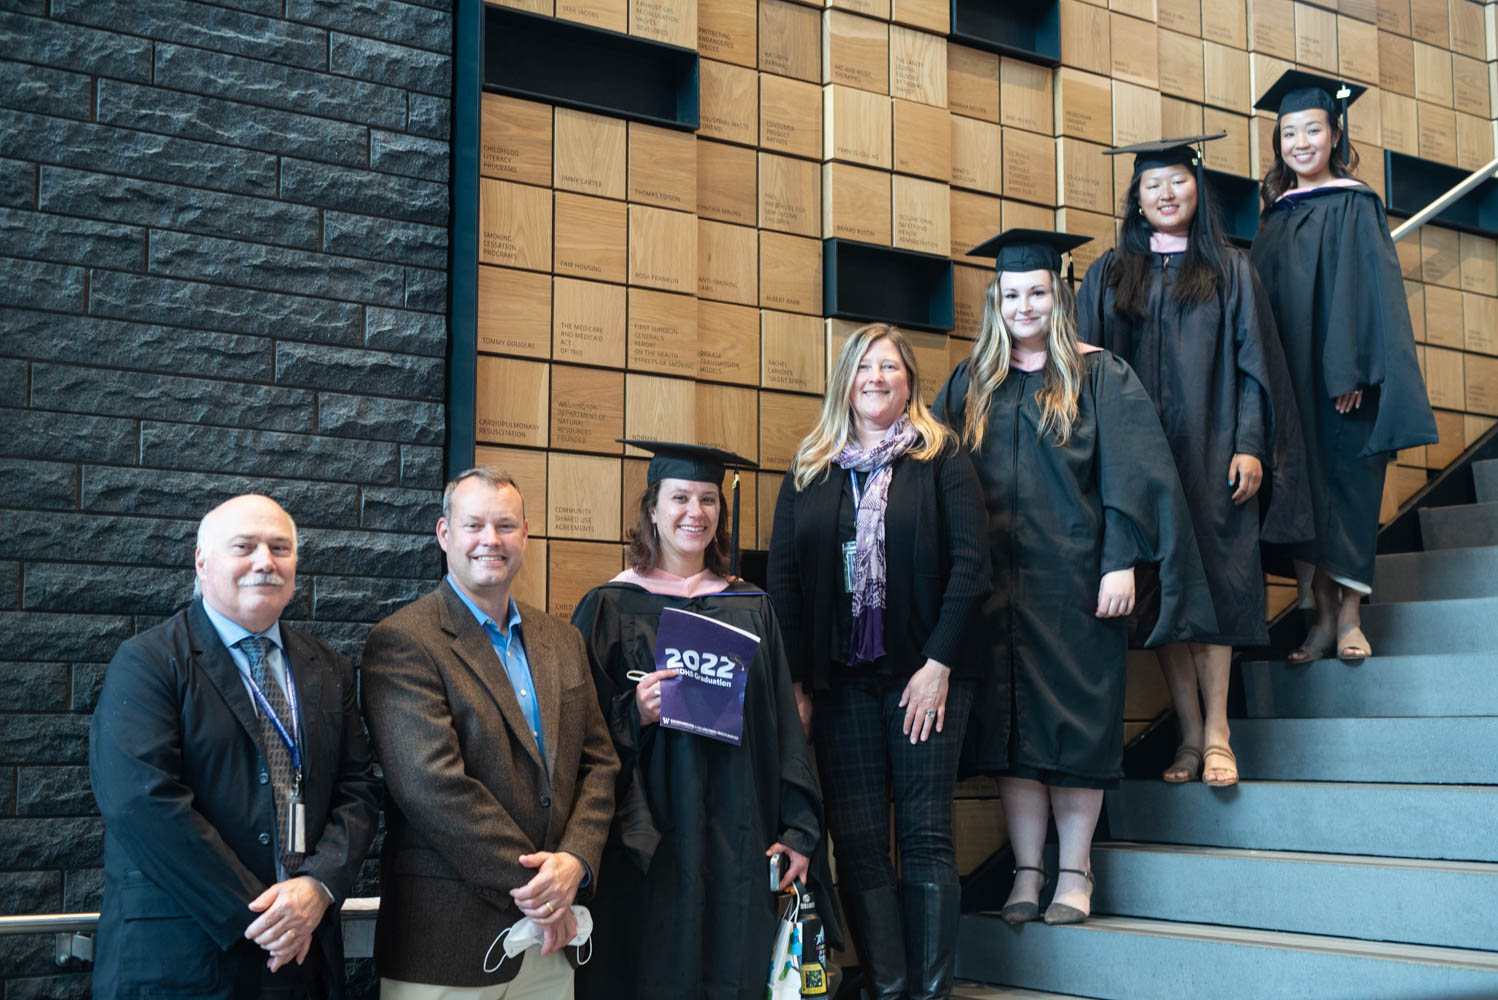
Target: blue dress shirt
510,648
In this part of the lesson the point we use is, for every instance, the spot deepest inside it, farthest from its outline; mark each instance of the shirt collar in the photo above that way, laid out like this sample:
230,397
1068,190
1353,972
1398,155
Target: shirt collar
231,631
480,614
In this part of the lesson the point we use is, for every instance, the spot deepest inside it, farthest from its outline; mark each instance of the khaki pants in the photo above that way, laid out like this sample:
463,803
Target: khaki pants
540,978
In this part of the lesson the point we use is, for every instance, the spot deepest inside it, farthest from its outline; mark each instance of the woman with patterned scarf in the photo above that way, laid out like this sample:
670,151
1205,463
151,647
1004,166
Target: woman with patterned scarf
878,569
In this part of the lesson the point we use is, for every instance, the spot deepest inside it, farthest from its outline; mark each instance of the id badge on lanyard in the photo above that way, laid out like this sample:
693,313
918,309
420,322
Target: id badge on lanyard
296,811
850,548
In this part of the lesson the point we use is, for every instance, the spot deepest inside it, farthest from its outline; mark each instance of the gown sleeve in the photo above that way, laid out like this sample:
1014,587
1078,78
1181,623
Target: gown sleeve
1090,304
1369,341
949,406
1145,517
783,577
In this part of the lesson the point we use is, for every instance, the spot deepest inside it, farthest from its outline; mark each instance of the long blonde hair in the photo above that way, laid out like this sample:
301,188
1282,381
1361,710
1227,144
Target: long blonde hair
989,366
835,425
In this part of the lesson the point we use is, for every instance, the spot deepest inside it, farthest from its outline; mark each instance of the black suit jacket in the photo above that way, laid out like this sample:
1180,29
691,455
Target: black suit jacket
190,818
936,566
468,792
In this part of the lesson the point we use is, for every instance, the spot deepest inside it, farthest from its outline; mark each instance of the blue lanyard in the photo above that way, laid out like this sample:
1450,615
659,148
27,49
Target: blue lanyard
857,492
286,738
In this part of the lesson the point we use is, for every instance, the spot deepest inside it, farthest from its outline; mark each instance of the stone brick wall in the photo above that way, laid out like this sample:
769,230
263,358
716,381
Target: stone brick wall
223,253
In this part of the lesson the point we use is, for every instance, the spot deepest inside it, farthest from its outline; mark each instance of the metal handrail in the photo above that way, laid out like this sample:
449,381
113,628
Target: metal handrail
354,908
1438,206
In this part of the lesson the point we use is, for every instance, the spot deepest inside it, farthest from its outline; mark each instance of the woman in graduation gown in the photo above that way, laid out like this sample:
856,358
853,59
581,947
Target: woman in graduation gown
877,567
1187,313
1080,487
1326,259
683,907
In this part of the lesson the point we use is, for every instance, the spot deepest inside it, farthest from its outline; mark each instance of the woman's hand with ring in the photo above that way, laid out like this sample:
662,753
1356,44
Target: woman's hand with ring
925,701
648,695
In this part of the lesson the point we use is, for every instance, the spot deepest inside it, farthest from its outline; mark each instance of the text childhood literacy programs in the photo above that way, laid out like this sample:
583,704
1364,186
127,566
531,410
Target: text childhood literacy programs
707,696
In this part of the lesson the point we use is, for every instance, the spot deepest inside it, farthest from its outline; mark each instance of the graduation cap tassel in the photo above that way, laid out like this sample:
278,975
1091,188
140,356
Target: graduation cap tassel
733,544
1342,101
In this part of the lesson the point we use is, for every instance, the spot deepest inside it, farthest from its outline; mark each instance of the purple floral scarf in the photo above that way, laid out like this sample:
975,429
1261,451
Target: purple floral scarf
868,566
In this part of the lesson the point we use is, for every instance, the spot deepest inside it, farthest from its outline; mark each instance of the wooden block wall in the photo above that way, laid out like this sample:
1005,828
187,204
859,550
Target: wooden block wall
636,280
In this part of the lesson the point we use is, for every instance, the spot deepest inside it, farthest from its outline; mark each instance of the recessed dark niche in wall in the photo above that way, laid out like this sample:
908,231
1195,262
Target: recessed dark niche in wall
1411,183
577,66
876,284
1237,200
1025,29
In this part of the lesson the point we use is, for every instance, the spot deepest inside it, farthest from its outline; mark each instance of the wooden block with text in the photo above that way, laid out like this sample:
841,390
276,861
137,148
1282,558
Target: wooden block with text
977,155
790,195
1430,21
587,409
1271,28
1180,66
969,293
515,140
726,30
1469,86
1224,22
514,312
657,409
1029,167
790,116
1135,50
511,401
671,21
1479,323
1357,50
791,352
1084,106
923,140
917,66
1225,78
1136,114
662,249
921,215
1443,317
1367,127
589,154
1396,63
1178,117
855,51
1023,215
1437,132
514,225
856,203
727,342
610,15
1474,141
728,418
592,237
1084,176
727,262
1470,31
1182,16
877,9
790,40
928,15
726,182
1315,38
574,568
662,332
1446,381
1233,153
1479,389
662,167
1440,257
1432,75
784,420
1101,228
857,127
1400,123
588,322
972,82
790,273
975,218
1026,98
583,497
727,96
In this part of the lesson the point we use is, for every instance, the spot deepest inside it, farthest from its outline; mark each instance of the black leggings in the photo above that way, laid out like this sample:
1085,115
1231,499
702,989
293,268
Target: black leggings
861,751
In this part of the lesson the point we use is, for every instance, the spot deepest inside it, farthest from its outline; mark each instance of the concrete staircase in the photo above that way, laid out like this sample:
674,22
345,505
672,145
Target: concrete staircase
1357,859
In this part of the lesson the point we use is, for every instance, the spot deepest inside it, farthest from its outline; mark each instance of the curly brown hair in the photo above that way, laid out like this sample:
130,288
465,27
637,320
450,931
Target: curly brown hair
644,552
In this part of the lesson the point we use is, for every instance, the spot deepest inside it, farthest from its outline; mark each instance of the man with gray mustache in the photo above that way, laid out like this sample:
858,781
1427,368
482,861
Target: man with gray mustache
238,793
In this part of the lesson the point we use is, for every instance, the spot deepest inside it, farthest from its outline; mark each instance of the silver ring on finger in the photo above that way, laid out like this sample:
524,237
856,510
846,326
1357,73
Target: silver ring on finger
931,713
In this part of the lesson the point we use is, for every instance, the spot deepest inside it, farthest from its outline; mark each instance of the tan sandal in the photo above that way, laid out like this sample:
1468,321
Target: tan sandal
1218,750
1317,645
1352,637
1189,759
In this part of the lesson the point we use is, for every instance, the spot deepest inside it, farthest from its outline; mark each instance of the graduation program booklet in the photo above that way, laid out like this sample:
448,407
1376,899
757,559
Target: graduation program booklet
707,696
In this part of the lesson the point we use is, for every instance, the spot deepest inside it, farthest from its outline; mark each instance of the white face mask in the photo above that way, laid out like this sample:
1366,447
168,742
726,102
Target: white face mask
526,933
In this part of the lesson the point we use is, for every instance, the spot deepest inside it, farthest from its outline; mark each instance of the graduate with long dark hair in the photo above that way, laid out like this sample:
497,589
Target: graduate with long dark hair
1328,265
1185,309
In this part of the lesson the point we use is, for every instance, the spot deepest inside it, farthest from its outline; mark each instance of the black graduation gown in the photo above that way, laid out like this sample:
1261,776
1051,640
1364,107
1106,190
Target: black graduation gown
683,907
1328,265
1059,517
1217,375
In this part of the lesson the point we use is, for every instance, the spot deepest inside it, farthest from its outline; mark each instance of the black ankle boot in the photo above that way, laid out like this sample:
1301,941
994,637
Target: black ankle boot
879,936
931,914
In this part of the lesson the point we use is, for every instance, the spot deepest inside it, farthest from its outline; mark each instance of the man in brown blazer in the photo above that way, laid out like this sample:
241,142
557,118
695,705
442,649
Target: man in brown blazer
498,766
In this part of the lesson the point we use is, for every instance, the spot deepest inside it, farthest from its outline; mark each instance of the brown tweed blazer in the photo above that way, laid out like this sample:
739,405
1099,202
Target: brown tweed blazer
466,790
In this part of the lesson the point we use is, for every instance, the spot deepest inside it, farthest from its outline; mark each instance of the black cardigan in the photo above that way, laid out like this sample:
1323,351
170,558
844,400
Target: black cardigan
936,560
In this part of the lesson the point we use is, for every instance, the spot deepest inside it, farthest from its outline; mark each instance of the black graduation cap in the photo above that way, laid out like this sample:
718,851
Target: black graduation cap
1019,250
1297,90
1166,152
699,464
